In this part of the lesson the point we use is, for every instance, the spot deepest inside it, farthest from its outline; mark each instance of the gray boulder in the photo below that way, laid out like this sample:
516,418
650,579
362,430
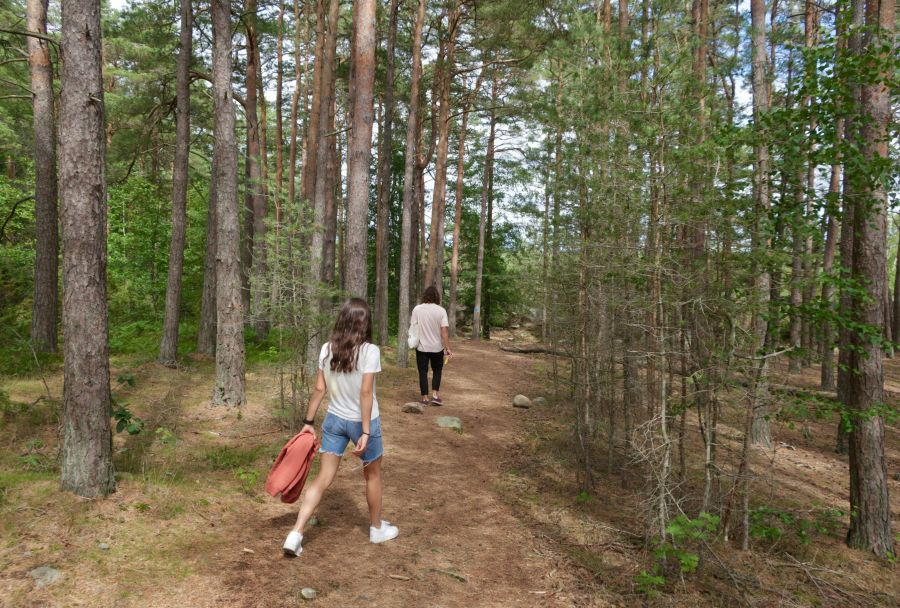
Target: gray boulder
539,401
521,401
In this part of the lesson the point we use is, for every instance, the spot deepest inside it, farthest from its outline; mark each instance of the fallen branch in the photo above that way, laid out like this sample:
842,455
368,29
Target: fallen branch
529,350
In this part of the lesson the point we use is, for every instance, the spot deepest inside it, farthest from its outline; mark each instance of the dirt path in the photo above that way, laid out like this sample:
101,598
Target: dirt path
459,544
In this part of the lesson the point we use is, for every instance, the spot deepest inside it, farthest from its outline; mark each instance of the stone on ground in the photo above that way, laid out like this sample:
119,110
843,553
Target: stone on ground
521,401
449,422
539,401
45,575
308,593
412,408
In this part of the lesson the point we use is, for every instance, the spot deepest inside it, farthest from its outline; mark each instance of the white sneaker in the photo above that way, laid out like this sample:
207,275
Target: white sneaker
292,543
385,533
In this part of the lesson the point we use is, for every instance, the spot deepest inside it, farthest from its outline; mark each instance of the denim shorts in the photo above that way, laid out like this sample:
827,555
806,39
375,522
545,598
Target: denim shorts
337,433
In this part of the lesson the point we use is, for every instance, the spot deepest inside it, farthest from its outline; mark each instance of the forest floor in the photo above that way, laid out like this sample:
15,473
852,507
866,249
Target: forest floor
491,516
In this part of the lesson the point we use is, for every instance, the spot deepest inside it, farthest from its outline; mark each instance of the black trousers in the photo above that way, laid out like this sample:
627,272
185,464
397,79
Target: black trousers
437,366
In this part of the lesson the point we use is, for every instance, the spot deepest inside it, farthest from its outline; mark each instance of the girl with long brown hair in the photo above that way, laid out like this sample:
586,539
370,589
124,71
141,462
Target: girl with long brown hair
348,363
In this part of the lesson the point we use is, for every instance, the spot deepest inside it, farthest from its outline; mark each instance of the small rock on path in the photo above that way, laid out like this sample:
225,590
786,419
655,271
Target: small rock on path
449,422
45,575
521,401
412,408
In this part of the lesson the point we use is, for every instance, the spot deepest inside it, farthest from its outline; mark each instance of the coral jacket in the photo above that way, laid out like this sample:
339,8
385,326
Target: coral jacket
289,472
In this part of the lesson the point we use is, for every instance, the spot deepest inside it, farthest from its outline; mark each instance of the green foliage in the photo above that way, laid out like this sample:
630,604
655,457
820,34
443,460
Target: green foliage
223,457
683,538
770,525
649,584
248,478
125,420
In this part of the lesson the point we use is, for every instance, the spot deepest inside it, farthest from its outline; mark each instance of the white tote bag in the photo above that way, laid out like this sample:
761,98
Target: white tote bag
412,339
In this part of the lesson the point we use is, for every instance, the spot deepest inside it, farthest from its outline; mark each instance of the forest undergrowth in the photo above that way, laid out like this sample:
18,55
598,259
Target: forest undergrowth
190,488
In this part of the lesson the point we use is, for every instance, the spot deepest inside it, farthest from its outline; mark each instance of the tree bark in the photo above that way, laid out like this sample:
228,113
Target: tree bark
206,334
168,349
46,252
311,144
832,235
759,428
229,387
895,320
253,265
434,271
485,196
870,507
457,216
86,466
385,156
406,233
299,92
323,152
359,145
845,379
332,196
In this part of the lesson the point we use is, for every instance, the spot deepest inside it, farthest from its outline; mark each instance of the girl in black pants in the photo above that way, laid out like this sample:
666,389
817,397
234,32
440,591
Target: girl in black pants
434,342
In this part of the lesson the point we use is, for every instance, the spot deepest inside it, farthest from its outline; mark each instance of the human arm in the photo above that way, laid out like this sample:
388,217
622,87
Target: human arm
366,396
315,400
445,341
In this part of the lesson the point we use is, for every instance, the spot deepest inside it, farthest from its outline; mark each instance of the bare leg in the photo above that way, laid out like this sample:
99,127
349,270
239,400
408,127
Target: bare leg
314,493
374,490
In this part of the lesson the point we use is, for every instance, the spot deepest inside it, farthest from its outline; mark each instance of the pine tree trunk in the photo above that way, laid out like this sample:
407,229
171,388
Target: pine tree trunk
485,196
359,145
311,145
229,387
206,333
435,265
759,429
322,153
332,195
832,235
299,92
322,190
253,265
406,229
259,294
276,264
457,215
168,350
46,252
895,316
845,379
870,507
86,466
385,156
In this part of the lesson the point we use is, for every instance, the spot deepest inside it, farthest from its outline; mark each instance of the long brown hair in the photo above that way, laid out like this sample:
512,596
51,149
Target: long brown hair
352,328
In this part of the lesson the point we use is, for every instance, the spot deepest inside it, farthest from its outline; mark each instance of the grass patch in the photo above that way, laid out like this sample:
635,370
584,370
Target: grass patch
28,417
222,458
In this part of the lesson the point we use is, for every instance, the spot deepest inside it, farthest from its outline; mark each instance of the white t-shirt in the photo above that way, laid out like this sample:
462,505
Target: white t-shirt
343,387
431,318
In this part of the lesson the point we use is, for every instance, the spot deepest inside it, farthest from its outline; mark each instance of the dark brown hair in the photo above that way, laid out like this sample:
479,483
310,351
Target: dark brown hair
352,328
431,295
